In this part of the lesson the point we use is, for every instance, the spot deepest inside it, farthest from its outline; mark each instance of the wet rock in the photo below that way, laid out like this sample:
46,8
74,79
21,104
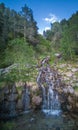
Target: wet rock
65,90
71,100
5,106
70,90
14,90
19,106
32,119
6,90
12,97
69,107
26,97
36,101
10,101
12,109
59,90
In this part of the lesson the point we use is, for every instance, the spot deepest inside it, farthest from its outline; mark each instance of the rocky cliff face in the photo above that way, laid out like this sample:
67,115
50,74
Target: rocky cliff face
11,105
69,76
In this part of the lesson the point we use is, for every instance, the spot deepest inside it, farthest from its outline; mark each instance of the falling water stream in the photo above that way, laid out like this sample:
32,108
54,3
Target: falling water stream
25,98
51,105
47,81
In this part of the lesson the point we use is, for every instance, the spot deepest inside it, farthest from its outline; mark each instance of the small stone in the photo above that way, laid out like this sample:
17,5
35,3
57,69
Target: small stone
70,90
74,69
65,90
32,119
63,115
62,65
69,74
71,99
69,107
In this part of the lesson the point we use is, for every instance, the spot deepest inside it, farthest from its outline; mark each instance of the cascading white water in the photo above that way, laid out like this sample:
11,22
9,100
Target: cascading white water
26,98
44,97
51,103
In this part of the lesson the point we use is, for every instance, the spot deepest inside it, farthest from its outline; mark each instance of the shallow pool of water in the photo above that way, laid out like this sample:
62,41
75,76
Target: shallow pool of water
51,112
40,121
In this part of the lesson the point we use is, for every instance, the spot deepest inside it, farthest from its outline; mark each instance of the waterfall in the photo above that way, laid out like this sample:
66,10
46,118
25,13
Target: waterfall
50,98
52,106
25,98
12,109
44,97
12,101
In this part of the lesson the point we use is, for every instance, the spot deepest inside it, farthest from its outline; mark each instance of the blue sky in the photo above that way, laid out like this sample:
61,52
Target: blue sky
46,11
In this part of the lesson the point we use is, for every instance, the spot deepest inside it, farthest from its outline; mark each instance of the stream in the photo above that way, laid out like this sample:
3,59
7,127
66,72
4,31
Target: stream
39,121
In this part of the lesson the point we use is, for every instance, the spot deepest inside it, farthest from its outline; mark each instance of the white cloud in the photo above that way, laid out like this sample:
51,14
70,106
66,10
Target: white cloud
40,31
47,28
51,19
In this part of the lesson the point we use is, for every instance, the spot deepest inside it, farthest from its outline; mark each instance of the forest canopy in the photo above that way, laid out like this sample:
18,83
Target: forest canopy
64,36
21,43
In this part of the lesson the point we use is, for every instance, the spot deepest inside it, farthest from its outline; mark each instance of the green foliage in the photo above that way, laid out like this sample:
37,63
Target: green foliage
67,46
54,34
64,37
76,88
22,47
14,25
18,51
44,46
18,74
7,126
69,40
21,55
30,27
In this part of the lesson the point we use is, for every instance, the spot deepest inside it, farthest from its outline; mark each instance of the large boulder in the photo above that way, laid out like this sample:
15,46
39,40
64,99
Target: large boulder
36,101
